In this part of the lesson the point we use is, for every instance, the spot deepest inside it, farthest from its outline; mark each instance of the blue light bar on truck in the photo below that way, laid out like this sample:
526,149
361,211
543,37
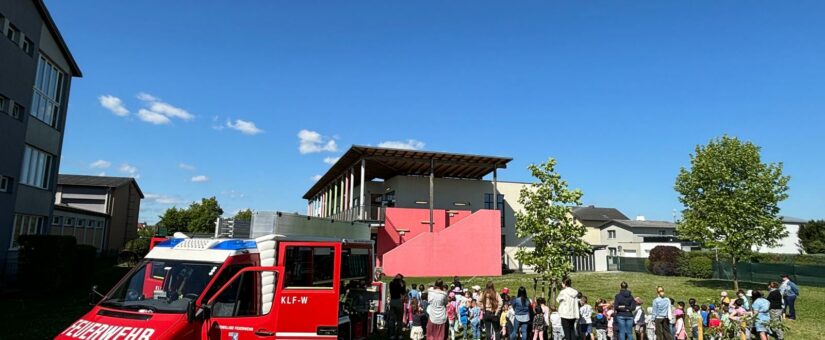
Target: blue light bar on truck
170,243
236,245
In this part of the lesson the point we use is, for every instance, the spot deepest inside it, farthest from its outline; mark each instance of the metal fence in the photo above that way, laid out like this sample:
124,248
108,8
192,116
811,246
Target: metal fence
627,264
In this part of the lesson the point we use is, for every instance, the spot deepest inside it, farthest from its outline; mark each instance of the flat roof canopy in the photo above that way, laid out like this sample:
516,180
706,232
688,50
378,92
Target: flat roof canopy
386,163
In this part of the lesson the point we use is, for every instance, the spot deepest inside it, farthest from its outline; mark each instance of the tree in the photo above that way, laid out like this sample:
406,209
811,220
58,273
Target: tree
244,215
731,199
174,220
204,214
812,237
199,217
547,218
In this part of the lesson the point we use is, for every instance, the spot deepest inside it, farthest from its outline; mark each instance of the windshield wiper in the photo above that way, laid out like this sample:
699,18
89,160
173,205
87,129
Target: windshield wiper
140,306
109,303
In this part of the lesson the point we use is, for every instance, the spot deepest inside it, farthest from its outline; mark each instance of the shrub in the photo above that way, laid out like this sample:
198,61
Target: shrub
700,267
664,260
46,262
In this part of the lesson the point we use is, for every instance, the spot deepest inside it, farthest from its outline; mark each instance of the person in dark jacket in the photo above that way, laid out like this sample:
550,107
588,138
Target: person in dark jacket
600,324
776,307
624,305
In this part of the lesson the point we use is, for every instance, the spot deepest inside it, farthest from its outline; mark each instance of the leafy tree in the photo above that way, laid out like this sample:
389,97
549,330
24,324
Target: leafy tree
731,199
199,217
174,220
244,215
812,237
204,214
548,219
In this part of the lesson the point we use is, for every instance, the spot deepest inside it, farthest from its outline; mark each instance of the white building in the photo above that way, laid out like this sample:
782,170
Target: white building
788,244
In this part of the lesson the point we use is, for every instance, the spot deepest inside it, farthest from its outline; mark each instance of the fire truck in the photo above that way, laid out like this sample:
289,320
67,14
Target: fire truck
298,278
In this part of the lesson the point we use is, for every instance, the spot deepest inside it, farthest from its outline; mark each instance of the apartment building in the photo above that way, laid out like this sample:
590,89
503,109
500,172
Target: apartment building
98,210
36,70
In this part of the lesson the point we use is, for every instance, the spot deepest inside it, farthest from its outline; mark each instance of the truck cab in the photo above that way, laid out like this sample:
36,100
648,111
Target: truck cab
271,287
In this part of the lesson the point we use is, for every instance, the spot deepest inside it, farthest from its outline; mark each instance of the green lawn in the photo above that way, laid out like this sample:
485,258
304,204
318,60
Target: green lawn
41,316
810,306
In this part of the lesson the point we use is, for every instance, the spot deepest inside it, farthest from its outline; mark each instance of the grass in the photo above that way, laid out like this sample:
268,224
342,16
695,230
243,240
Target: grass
43,315
810,306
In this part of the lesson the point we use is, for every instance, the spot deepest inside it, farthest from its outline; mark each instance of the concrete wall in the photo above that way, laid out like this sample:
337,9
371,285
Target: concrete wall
474,241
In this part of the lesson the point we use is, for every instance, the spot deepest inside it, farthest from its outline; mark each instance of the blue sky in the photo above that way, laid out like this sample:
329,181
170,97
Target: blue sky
619,92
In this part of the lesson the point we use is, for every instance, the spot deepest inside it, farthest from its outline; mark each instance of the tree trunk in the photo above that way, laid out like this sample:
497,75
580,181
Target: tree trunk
735,275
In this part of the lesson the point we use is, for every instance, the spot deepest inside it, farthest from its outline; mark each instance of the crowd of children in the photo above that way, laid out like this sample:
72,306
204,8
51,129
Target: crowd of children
748,313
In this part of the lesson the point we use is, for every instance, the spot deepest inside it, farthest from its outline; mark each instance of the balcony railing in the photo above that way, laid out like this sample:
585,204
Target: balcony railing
371,213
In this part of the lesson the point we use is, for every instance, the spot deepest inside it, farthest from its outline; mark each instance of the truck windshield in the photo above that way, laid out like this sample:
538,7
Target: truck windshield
164,286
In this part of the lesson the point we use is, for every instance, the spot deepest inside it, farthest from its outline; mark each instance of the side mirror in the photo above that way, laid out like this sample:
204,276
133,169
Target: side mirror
204,312
94,296
190,311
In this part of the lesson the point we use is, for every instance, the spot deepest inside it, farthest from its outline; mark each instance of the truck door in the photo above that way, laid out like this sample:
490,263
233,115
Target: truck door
309,300
246,306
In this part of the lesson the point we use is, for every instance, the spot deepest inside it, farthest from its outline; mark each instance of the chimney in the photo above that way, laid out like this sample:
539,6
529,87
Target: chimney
640,218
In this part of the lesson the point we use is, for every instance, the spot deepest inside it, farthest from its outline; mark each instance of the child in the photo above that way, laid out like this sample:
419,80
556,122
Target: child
650,324
475,320
639,320
452,313
417,330
705,316
538,324
714,326
692,318
464,318
555,322
681,334
585,319
723,298
503,320
511,319
608,312
599,323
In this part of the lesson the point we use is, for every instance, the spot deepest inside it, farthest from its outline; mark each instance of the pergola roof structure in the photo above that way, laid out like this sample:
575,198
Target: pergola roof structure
386,163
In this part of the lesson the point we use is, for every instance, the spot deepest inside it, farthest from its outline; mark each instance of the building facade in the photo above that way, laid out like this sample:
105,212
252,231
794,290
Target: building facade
36,70
790,243
86,226
422,206
118,198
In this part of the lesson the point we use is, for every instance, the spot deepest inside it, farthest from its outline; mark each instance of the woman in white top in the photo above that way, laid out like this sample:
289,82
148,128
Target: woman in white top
437,311
568,309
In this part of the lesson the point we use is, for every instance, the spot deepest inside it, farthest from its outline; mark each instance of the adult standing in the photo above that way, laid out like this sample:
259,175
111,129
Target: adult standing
761,309
775,307
790,291
437,310
491,305
398,288
568,308
521,309
457,283
661,310
625,305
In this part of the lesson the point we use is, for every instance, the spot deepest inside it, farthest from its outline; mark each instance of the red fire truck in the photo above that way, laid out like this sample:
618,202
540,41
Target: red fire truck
299,282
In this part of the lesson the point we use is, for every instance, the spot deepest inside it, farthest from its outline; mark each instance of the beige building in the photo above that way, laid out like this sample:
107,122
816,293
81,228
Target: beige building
116,197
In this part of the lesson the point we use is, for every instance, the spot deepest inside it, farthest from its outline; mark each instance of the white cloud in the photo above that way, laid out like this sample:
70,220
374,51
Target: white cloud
162,199
245,127
130,170
171,111
331,160
200,178
146,97
113,104
100,164
185,166
311,142
160,112
315,178
233,194
102,173
153,117
409,144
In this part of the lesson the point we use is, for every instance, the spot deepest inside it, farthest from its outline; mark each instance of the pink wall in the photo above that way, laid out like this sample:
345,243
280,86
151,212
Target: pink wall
471,245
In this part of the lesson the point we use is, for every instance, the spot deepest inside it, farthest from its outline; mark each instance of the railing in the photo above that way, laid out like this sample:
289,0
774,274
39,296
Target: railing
371,213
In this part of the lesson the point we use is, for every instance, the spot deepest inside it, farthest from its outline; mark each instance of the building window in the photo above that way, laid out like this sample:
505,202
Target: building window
25,225
81,222
662,232
5,184
27,46
37,168
613,251
488,204
17,110
48,89
3,101
56,220
12,33
91,224
611,234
